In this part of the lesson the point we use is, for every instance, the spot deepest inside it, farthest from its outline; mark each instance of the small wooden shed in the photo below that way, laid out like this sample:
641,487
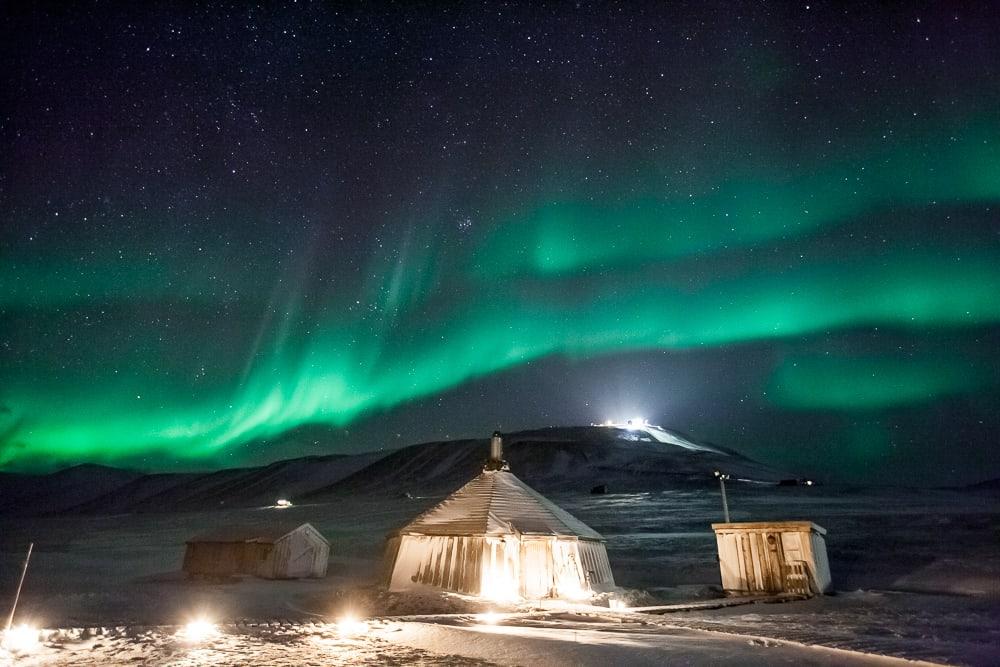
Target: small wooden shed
772,557
274,551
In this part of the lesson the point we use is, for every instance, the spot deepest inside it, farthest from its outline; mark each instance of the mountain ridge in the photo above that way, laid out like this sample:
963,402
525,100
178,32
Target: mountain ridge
552,459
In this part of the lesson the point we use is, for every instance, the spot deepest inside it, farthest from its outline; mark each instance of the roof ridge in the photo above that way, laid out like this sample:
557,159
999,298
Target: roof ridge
498,502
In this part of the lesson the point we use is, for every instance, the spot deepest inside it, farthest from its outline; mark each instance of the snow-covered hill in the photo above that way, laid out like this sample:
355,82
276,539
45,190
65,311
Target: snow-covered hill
23,494
564,458
553,459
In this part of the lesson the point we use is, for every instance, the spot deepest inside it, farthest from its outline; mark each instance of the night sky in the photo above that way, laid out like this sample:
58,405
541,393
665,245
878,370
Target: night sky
232,235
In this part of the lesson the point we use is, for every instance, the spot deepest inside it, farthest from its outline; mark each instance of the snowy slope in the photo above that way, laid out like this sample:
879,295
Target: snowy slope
240,487
39,494
103,490
571,458
565,458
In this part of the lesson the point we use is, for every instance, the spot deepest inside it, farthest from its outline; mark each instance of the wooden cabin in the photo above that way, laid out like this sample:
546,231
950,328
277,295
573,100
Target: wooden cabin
498,538
772,557
273,551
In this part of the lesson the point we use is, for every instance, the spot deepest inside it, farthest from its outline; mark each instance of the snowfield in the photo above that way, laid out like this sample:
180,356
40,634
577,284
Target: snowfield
280,645
460,641
916,575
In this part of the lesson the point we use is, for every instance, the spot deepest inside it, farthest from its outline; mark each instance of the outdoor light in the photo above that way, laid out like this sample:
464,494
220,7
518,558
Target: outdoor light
489,617
198,630
722,477
20,639
636,422
349,626
281,503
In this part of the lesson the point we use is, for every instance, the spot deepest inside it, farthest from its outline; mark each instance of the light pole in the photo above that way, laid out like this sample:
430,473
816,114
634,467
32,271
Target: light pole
722,485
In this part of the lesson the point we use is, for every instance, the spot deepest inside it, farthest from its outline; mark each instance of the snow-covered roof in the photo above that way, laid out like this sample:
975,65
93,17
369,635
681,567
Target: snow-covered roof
260,534
498,503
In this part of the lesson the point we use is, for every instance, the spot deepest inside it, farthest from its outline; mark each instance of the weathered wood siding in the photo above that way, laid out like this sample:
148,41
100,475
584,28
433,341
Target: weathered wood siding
223,558
756,558
596,567
303,552
498,566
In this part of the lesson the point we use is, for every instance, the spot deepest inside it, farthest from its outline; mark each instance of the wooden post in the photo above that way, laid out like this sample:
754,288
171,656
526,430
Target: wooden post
725,503
17,596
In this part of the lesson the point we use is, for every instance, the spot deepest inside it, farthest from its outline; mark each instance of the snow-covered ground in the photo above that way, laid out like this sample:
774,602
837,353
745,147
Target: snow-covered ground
917,575
460,641
279,645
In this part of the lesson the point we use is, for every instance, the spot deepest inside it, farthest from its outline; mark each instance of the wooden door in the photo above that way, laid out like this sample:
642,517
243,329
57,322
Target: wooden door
775,563
536,568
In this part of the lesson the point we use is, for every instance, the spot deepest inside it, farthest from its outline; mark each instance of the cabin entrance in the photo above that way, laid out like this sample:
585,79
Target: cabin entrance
536,569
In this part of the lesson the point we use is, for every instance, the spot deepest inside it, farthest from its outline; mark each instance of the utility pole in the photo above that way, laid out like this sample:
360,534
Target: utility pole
17,596
722,486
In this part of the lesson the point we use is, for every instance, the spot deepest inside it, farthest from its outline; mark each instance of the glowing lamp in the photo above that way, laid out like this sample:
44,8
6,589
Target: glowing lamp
281,503
20,639
637,422
198,630
349,626
489,618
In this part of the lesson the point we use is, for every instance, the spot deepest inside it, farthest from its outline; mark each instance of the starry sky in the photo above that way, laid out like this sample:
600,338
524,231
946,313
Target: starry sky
231,234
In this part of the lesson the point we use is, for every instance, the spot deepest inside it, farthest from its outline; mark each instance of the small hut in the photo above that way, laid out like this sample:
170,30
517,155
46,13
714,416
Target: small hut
271,552
772,557
498,538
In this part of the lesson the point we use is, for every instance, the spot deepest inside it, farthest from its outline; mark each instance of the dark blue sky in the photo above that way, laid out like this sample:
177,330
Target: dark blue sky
770,226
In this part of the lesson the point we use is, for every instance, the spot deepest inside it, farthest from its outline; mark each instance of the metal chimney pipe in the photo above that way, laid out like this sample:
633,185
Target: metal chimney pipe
496,447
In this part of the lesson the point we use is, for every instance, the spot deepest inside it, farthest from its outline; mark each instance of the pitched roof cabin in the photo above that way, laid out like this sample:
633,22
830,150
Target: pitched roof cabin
275,551
498,538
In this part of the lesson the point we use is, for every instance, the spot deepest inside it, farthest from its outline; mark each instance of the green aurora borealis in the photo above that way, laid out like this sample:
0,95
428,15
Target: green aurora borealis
367,364
868,272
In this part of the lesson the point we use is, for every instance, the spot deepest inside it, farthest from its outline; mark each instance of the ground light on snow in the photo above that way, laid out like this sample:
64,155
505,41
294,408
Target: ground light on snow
576,593
351,626
489,617
20,639
198,630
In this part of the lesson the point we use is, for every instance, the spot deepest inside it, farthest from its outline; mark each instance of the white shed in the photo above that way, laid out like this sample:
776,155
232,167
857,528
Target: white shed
772,557
498,538
276,551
